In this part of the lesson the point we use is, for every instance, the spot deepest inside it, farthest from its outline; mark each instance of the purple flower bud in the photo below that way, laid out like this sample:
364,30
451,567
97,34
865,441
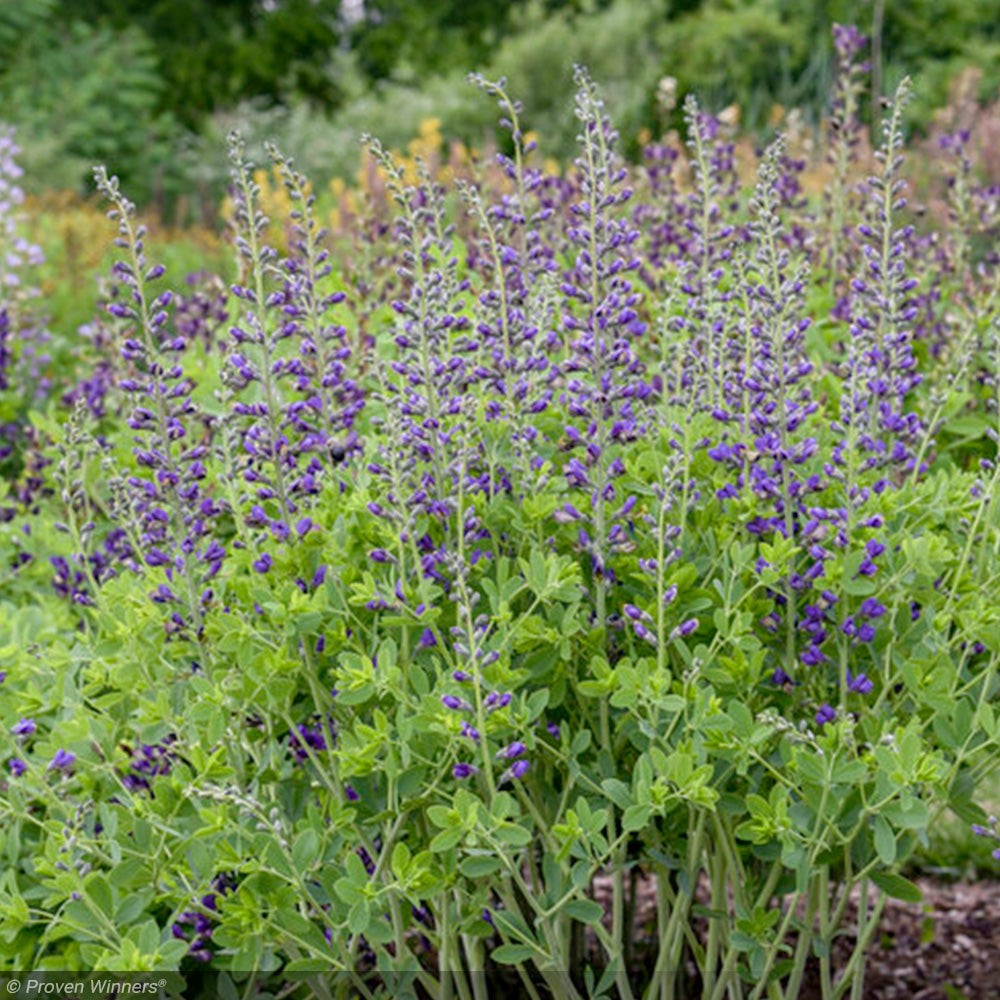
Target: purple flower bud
450,701
17,767
381,556
871,608
866,632
861,684
263,564
644,633
825,714
462,770
62,760
513,750
567,513
516,771
24,728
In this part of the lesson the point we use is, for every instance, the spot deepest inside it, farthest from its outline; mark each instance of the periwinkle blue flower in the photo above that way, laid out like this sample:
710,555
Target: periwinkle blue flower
16,766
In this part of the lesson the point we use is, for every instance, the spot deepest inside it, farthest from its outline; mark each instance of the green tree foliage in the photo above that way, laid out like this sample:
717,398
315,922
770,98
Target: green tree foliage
212,54
429,37
19,20
143,83
96,99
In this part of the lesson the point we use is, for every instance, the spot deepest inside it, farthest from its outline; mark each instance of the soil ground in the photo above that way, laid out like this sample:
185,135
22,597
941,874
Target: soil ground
945,948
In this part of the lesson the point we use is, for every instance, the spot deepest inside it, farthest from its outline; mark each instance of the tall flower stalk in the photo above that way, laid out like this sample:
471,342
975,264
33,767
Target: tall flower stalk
176,510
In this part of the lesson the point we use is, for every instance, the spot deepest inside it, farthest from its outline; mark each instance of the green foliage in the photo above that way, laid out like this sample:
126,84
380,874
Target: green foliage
97,98
354,744
20,20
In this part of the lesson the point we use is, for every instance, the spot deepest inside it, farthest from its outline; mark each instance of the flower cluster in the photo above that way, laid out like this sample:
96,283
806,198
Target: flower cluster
174,508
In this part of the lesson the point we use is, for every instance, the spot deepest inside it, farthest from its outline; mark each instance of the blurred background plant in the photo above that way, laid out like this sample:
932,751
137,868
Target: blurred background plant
153,87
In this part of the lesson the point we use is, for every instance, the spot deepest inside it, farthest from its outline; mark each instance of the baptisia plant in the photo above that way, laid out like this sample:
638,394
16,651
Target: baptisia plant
630,629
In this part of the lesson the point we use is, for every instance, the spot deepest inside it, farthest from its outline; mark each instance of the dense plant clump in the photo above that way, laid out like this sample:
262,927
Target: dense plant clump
407,614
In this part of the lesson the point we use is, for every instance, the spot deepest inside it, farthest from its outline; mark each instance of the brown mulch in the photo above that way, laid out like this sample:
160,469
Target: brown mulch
946,948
